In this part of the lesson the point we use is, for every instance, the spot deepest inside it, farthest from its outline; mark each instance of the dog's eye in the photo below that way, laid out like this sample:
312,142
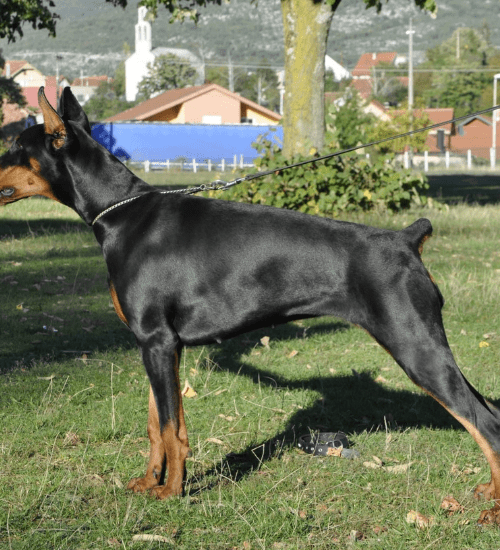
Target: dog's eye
19,144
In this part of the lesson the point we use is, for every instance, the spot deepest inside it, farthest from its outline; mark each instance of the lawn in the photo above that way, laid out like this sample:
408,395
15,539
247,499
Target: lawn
74,408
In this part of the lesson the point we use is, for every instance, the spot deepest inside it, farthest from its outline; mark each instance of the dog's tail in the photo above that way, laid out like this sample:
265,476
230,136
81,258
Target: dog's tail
417,233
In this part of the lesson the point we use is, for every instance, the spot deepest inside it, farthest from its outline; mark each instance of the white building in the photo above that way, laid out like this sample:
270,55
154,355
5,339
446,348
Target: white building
136,66
339,72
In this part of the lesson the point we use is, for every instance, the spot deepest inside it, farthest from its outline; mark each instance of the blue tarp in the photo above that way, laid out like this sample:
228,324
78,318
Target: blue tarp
140,141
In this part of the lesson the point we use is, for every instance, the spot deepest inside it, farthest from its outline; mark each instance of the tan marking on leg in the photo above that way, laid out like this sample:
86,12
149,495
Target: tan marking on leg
157,456
491,490
116,303
176,445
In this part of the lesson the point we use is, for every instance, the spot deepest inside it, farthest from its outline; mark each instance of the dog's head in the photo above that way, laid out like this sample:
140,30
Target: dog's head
35,164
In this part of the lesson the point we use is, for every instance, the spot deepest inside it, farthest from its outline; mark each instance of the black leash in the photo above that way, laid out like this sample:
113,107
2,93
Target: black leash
220,185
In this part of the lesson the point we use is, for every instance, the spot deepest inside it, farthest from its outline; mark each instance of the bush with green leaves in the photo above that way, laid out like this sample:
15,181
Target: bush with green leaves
330,187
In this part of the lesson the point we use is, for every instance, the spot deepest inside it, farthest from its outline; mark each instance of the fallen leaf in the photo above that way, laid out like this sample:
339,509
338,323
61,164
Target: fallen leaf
152,538
265,341
451,505
117,481
71,439
419,519
51,377
398,469
372,465
356,535
188,390
334,451
228,418
292,354
215,440
484,344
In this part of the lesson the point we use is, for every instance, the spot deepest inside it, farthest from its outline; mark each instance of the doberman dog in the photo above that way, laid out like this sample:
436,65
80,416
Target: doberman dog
186,270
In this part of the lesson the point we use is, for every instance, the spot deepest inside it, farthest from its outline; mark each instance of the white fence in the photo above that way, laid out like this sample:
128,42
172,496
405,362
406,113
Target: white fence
194,165
448,160
421,161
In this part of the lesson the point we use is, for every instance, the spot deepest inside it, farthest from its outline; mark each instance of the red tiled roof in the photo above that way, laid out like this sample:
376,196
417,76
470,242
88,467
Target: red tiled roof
369,60
15,66
364,87
91,80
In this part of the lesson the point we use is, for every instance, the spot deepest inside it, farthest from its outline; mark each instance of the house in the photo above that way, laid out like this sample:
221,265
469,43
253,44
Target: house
205,104
136,66
475,133
30,79
85,87
367,61
339,72
438,139
364,74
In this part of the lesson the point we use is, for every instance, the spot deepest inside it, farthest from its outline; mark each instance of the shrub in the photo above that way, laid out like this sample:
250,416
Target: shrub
331,186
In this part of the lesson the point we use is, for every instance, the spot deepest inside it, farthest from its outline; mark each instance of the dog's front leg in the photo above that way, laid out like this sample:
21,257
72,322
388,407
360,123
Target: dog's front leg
155,472
168,434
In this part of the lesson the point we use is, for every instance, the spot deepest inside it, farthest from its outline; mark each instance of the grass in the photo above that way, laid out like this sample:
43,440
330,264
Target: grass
73,409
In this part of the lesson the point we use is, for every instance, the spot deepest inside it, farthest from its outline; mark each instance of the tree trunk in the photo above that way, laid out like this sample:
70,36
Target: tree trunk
306,24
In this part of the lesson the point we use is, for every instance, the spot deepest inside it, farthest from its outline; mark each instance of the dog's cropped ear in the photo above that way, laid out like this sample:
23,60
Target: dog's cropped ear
70,109
53,123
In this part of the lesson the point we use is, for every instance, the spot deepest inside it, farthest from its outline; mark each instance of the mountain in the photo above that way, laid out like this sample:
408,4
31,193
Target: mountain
92,37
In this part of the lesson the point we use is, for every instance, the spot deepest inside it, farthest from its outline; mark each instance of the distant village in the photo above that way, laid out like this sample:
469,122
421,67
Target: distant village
205,103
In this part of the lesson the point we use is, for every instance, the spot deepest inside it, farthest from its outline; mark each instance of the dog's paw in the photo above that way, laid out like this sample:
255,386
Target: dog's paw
165,491
142,484
490,517
485,490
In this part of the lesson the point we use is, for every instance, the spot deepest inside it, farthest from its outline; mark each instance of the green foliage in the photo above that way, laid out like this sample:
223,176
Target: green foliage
401,123
347,126
259,85
427,5
106,101
466,49
330,187
17,12
167,72
246,83
9,90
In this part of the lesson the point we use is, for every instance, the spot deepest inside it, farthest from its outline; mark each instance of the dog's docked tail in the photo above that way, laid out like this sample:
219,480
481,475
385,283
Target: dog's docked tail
417,233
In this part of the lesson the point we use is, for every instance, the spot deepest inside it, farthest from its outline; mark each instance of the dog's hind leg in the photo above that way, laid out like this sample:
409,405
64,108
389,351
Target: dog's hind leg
411,329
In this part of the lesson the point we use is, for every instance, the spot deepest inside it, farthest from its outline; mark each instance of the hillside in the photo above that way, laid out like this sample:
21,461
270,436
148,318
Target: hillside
91,36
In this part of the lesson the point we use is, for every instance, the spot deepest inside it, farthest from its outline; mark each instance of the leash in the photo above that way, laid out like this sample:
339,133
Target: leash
221,185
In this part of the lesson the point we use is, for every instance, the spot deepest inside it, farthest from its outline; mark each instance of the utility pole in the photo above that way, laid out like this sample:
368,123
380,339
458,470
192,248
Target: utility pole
58,58
410,32
230,72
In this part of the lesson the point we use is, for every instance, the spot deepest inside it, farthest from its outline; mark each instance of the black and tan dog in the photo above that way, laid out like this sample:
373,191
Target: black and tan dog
185,270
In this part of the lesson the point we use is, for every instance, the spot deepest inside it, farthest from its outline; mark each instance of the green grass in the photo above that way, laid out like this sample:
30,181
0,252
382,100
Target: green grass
73,410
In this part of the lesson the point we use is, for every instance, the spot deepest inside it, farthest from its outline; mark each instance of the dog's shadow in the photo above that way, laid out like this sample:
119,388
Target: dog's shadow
353,403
